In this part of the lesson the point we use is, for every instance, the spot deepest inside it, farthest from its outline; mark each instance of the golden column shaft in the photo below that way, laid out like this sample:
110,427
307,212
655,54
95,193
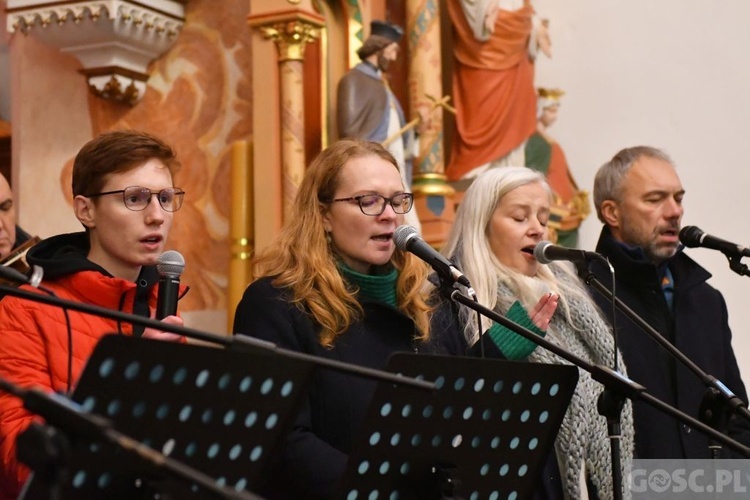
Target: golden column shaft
241,225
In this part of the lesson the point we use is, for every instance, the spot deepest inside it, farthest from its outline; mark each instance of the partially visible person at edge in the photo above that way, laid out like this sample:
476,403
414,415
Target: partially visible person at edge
125,198
11,236
639,198
334,285
503,216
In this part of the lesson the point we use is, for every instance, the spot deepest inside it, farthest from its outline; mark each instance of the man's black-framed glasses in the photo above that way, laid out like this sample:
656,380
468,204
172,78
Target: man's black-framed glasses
137,198
374,204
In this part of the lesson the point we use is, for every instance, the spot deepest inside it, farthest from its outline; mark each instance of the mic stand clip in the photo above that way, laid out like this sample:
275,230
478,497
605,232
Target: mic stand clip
737,266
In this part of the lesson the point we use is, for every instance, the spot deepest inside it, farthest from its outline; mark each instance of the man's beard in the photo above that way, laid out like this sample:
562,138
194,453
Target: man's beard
383,62
655,252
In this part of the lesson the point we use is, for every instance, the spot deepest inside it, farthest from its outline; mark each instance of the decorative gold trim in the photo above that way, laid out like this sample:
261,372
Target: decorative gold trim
431,184
113,90
290,30
291,38
324,97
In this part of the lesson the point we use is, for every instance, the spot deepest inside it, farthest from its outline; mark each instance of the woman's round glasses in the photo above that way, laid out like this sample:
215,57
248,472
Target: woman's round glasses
137,198
374,204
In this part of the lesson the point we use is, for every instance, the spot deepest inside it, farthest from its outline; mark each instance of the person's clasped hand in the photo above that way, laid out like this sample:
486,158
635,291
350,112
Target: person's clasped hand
153,333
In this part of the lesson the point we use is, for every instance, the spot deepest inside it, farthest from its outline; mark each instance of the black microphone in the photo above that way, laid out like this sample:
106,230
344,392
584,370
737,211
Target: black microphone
170,266
545,252
10,274
407,239
7,273
691,236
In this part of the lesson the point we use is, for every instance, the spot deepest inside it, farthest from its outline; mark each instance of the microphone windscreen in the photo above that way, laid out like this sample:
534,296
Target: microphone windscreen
170,262
402,235
690,236
539,252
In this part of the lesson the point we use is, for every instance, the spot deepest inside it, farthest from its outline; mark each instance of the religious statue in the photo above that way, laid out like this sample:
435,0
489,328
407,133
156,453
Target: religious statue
495,43
570,205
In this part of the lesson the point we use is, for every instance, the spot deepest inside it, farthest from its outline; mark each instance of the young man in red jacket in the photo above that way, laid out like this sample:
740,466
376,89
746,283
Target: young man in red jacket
124,195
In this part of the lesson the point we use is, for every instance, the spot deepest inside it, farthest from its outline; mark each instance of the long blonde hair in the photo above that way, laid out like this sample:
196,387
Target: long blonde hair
468,246
301,258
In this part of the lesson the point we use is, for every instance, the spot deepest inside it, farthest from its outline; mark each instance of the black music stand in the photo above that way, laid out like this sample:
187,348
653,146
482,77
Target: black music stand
485,433
216,410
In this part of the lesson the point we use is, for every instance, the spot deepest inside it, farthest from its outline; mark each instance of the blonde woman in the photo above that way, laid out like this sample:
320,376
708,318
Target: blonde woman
503,216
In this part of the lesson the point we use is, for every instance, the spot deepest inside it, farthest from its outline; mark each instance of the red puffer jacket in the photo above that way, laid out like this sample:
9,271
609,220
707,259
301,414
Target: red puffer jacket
34,342
34,350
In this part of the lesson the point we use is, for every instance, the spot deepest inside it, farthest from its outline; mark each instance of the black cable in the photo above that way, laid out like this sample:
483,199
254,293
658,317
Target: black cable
69,330
69,385
479,327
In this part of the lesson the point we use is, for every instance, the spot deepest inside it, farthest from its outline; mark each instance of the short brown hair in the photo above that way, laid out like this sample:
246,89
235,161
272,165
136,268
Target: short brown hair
116,152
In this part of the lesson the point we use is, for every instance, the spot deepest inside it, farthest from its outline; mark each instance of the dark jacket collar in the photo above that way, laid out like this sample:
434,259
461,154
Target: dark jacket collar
66,254
632,266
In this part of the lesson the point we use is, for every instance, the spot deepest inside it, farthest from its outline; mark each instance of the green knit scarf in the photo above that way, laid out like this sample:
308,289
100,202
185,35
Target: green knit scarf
372,287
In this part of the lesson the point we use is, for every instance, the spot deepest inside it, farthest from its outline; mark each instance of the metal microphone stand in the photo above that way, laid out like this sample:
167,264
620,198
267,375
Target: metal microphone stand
48,445
718,397
615,382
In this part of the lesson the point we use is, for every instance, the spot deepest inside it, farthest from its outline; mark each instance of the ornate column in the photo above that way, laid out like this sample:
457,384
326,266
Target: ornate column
290,31
433,195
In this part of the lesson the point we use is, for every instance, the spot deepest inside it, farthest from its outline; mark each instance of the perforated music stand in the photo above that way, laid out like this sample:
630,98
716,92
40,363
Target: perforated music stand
216,410
485,433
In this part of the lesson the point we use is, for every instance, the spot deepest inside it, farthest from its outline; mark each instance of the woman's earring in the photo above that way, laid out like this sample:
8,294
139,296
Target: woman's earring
329,240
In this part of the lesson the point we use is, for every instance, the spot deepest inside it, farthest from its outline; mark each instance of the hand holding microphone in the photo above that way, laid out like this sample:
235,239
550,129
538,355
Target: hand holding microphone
170,266
153,333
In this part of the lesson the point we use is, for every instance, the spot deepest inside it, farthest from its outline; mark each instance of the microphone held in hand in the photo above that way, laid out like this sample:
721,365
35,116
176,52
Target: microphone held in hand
407,239
170,266
691,236
545,252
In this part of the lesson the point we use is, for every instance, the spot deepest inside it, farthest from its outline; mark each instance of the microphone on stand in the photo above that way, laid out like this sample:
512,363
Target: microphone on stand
170,266
545,252
692,236
407,239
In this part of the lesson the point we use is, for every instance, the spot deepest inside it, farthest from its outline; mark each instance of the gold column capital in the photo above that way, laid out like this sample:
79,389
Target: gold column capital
289,30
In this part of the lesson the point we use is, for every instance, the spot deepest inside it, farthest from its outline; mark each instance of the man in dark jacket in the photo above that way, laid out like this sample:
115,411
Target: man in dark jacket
638,196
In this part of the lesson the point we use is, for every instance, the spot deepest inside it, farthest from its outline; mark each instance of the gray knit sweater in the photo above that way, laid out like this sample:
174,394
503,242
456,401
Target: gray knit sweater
583,434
